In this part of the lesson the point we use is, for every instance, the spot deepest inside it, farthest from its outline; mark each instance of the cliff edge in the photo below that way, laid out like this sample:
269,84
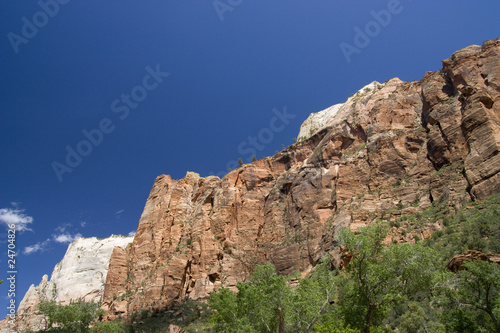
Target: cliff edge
393,149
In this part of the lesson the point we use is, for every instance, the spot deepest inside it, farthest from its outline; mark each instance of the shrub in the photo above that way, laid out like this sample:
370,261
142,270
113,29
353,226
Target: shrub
75,317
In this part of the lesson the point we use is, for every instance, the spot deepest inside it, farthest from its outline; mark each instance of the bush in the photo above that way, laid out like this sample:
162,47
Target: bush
111,327
76,317
334,329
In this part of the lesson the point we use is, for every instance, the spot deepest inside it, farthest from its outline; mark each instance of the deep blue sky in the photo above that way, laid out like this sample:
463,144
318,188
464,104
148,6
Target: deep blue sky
225,78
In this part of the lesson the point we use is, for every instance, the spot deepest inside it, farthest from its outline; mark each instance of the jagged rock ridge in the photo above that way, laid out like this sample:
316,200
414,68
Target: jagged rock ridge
81,274
319,120
393,149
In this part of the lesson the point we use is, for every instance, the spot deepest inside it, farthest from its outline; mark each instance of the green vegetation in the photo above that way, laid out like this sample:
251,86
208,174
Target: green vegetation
193,316
401,287
80,317
473,305
380,279
383,288
474,227
76,317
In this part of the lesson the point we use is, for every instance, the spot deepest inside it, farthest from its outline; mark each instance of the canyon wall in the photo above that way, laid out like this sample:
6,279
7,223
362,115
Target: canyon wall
393,149
81,274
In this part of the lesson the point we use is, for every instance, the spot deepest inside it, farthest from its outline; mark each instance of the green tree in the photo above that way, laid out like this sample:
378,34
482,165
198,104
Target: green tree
240,162
257,305
330,328
76,317
416,320
311,299
254,158
379,278
474,301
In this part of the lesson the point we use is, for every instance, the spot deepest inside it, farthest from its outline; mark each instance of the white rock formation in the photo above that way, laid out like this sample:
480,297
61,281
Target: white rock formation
81,274
316,120
319,120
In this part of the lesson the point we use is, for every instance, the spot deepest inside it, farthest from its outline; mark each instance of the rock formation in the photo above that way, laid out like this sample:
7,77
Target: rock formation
393,149
175,329
456,263
81,274
318,120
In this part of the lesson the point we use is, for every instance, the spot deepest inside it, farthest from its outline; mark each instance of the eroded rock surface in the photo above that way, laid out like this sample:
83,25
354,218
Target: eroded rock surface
457,262
81,274
393,149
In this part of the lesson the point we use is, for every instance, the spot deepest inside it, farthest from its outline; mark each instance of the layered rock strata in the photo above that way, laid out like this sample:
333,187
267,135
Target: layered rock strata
391,150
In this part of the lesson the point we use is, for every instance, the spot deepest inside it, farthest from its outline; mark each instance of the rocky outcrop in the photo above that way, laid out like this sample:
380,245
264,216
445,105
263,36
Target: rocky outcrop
81,274
319,120
175,329
391,150
457,262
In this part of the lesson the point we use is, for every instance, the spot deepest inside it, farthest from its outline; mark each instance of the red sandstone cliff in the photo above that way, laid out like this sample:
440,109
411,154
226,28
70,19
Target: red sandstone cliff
393,149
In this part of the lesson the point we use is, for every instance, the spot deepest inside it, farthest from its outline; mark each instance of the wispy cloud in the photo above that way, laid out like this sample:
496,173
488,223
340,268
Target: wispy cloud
61,236
38,247
16,216
66,238
132,233
83,224
63,227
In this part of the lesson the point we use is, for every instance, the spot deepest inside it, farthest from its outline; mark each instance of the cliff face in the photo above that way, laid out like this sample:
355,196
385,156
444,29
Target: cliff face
81,274
393,149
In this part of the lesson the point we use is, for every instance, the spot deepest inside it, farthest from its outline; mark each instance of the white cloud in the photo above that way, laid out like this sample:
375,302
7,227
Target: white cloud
119,212
61,236
66,238
16,216
83,224
62,228
38,247
132,233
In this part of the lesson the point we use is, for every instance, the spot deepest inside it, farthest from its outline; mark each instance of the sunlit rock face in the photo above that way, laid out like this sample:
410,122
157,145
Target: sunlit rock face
81,274
319,120
391,150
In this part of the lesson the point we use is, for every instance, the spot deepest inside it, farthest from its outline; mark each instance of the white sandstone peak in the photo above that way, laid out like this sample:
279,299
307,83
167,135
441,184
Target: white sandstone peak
81,274
319,120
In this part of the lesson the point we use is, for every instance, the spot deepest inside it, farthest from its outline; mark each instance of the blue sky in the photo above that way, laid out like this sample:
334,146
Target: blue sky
134,89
